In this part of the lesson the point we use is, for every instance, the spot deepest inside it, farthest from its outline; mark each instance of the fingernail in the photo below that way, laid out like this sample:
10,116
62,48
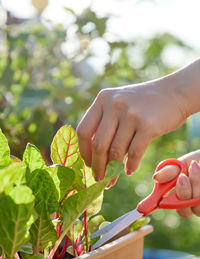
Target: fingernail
129,172
183,180
97,178
88,164
194,166
155,176
109,185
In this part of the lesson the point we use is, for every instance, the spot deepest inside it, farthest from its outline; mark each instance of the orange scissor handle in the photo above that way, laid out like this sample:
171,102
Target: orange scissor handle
157,200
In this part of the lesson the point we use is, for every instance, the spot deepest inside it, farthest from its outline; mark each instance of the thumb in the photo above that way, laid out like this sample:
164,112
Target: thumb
166,174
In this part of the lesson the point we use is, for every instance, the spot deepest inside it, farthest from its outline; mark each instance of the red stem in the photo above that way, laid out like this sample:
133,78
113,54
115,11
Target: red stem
56,255
73,243
85,215
64,248
59,230
79,249
85,229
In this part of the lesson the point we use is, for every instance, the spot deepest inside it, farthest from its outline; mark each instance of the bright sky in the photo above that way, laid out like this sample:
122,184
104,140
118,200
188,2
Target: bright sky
133,17
130,18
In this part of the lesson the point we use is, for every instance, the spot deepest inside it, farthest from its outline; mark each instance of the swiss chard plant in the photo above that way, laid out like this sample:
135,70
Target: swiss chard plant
45,210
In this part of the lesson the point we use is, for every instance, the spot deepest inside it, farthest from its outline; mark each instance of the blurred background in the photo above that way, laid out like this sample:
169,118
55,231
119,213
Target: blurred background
56,55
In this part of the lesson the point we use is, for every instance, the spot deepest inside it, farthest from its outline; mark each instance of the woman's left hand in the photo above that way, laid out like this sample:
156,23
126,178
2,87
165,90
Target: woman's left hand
187,187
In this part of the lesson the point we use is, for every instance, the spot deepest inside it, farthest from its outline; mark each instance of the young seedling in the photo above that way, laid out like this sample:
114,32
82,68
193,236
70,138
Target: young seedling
42,206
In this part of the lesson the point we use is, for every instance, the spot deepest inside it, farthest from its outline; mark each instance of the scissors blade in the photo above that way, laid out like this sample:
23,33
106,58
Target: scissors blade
128,218
106,228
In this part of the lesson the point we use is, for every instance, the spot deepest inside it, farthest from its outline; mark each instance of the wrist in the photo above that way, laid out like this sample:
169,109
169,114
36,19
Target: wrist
184,85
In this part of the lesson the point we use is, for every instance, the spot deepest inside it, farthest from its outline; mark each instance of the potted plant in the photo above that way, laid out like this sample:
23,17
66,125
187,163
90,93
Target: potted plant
45,210
128,245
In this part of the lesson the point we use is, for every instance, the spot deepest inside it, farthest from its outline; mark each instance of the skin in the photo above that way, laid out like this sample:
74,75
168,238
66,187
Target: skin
187,187
123,121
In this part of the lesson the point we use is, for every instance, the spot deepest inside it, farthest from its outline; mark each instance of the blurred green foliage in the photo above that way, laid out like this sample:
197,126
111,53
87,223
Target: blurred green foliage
47,80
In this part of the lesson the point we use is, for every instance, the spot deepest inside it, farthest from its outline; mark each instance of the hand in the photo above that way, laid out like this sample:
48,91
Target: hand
125,120
187,187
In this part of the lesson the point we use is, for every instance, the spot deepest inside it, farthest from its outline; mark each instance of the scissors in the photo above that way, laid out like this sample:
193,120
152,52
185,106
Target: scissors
156,200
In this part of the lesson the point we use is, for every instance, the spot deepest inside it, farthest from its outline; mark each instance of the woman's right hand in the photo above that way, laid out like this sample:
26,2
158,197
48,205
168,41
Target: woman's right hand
125,120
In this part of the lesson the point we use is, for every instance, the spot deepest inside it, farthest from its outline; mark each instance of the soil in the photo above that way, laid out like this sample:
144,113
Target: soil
68,256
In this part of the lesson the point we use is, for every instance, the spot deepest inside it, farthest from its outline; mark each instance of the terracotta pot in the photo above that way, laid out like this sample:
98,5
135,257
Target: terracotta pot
129,246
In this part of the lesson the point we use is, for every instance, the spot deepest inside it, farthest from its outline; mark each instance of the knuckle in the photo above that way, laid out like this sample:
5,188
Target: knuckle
103,93
185,195
136,152
118,101
194,177
116,153
148,123
132,114
98,147
132,153
81,133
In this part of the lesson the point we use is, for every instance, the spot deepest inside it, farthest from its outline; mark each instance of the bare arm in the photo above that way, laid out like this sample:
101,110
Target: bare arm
125,120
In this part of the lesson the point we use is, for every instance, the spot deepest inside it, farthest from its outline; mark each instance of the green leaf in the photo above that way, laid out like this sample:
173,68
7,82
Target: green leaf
26,249
139,223
95,206
70,10
63,178
94,223
114,168
42,231
44,190
11,175
15,219
4,151
32,158
75,205
84,176
64,147
77,229
28,256
79,182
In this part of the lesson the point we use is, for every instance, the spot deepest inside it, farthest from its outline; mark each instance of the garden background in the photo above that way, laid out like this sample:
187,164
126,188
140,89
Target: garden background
53,64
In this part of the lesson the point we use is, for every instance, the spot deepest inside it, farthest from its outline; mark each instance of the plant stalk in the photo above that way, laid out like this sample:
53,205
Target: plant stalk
64,248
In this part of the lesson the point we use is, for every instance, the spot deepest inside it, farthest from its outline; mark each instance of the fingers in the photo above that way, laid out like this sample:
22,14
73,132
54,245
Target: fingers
169,172
86,130
101,143
188,158
194,175
184,192
187,186
166,174
136,150
122,139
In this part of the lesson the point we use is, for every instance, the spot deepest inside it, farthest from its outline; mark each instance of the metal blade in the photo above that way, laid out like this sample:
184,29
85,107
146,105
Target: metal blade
107,228
129,218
